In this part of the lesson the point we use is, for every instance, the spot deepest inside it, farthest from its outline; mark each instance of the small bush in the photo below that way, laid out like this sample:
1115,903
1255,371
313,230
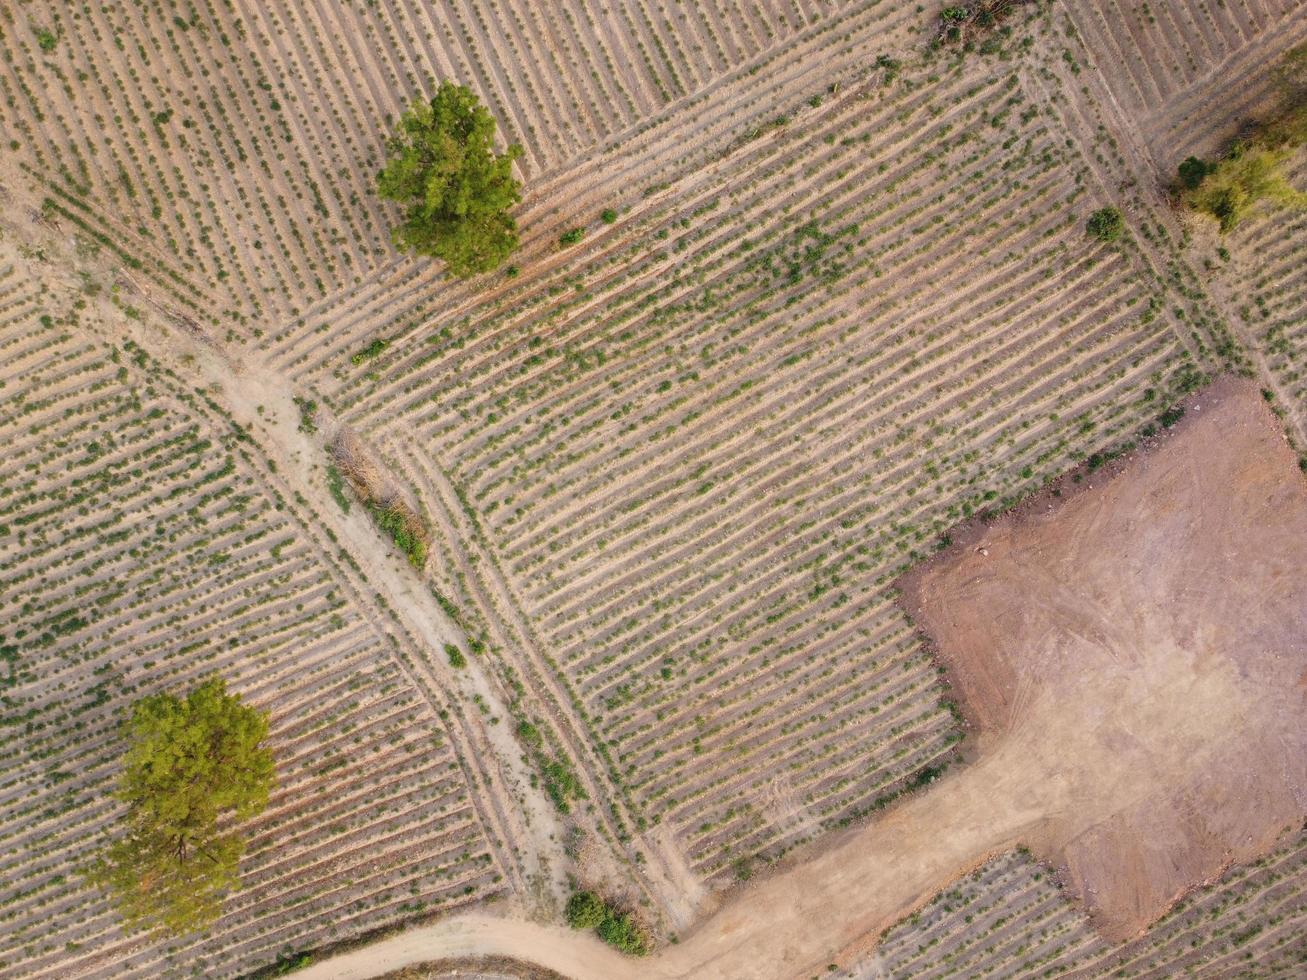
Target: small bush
562,785
1106,224
46,40
890,68
1192,172
456,658
399,525
571,236
529,734
336,486
608,216
373,349
308,410
620,930
585,910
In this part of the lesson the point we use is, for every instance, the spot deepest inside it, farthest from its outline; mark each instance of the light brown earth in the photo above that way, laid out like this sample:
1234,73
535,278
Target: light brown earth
1131,650
1133,658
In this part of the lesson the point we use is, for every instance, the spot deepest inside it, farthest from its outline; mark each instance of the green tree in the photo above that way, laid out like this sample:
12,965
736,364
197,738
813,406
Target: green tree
1192,172
189,761
442,166
1106,224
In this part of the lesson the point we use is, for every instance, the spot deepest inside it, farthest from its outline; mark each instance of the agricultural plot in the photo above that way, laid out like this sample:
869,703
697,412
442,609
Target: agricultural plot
227,150
792,300
146,542
695,448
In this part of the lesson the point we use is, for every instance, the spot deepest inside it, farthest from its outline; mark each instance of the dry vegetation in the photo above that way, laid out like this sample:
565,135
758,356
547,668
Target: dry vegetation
832,297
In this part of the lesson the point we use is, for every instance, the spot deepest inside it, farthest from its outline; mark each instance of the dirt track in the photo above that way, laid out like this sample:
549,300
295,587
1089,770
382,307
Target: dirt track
1132,654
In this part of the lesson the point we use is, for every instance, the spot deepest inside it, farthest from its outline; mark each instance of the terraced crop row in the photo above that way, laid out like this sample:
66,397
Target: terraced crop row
701,446
143,547
1011,919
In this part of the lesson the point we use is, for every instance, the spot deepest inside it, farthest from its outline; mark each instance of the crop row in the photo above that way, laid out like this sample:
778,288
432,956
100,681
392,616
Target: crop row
702,447
1011,918
141,550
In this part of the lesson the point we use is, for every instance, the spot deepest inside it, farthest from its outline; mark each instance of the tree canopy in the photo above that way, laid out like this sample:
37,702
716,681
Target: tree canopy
441,164
1106,224
189,762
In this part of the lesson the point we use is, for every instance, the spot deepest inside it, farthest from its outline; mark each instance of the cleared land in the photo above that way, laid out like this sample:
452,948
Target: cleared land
1135,648
671,472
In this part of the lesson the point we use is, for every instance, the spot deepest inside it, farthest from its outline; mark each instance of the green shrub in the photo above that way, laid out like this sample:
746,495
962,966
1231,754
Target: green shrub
585,910
620,930
399,525
336,487
46,40
308,409
608,216
1106,224
529,734
456,658
571,236
562,785
1192,172
373,349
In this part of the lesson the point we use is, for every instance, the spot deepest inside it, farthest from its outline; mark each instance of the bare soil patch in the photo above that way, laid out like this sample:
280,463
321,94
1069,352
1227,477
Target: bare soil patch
1131,649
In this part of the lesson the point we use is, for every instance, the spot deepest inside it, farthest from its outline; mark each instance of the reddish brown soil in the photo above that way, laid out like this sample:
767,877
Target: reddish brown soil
1135,643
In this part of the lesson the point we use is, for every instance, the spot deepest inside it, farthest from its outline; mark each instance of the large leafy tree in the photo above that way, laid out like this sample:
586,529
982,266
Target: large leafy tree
190,760
441,164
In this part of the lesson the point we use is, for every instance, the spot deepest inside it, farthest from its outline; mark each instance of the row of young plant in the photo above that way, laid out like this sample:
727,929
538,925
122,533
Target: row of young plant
1161,49
1011,918
134,521
536,434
